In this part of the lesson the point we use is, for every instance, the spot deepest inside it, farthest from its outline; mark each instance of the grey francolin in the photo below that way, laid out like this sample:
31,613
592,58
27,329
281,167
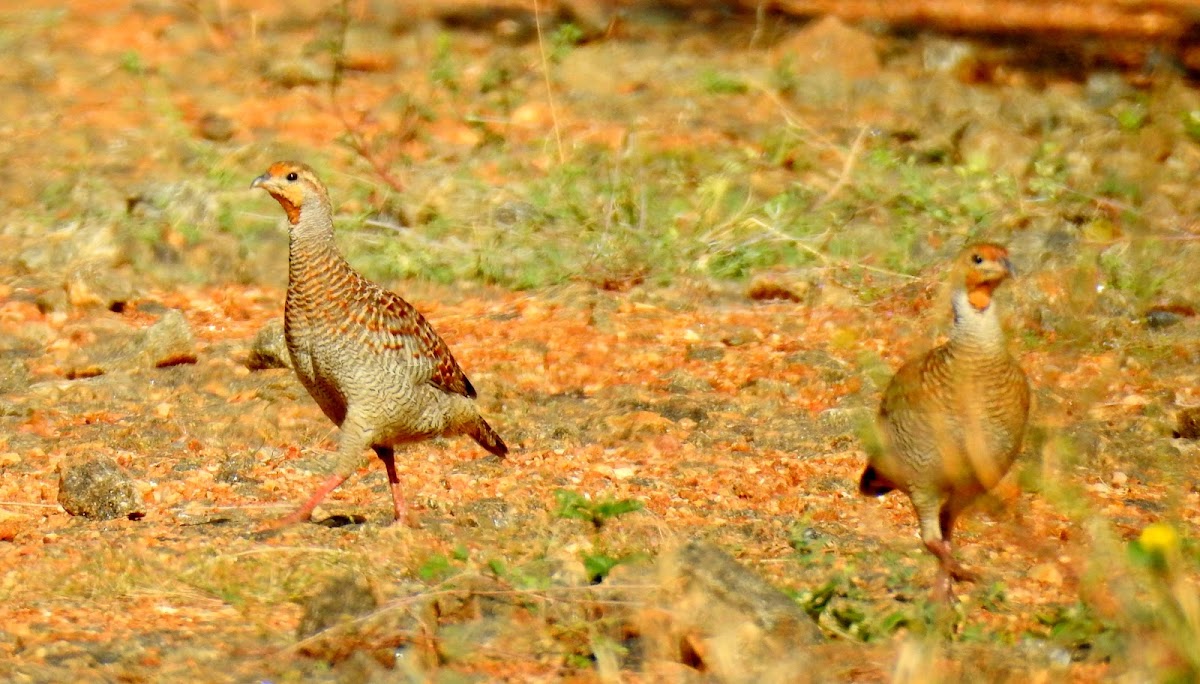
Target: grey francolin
370,360
951,421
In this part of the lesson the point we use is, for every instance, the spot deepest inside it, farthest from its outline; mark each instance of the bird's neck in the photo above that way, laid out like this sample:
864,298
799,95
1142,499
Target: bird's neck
975,330
311,248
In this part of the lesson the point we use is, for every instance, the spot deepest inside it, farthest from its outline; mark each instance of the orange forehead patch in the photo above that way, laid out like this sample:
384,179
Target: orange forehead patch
990,251
281,169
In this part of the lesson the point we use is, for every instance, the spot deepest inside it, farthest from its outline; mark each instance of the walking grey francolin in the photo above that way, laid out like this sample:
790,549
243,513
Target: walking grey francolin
370,360
951,421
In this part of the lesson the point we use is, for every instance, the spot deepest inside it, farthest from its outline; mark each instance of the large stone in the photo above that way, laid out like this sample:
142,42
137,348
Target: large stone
97,488
14,374
1189,423
702,608
270,348
829,45
166,343
343,621
300,71
340,600
96,284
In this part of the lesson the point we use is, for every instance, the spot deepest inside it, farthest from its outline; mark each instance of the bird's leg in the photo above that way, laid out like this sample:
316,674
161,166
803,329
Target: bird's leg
929,510
353,442
399,507
946,518
304,513
948,570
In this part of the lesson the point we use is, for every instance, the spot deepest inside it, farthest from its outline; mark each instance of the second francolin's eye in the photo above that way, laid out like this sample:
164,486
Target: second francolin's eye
293,176
975,258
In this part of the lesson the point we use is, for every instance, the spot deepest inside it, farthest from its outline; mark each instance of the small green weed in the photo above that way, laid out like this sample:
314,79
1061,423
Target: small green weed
1079,629
435,568
1131,116
718,83
444,70
1191,124
574,506
598,565
131,62
563,40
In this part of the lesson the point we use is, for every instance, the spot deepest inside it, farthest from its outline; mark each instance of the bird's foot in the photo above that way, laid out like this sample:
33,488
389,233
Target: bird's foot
961,574
405,517
943,589
271,527
302,514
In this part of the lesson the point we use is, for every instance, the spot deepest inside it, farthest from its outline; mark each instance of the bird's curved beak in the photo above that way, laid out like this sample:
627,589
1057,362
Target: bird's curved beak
1012,270
260,181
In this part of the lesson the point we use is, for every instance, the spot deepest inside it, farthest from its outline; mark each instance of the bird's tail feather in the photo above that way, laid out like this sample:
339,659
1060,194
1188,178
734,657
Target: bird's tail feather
873,484
481,432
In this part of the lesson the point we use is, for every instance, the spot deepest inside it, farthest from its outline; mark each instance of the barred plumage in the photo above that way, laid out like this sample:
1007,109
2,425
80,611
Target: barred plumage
370,360
951,421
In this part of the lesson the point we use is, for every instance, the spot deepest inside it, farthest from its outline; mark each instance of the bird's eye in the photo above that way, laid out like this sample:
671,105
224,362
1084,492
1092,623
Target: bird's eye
294,176
975,258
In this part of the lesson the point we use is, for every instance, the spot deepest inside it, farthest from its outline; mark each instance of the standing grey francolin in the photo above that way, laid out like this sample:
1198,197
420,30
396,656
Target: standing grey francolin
371,361
951,421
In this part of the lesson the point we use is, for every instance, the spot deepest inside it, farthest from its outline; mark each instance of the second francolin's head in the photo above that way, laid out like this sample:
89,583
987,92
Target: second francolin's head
979,270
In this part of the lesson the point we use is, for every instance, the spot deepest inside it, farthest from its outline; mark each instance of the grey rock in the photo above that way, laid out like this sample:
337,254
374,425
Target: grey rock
831,368
517,213
94,284
97,488
70,244
337,601
723,585
739,336
785,431
680,381
999,146
1105,88
168,342
469,597
343,621
270,348
771,286
1165,316
14,374
215,127
943,56
830,46
845,419
1188,424
707,607
1044,651
234,468
490,514
183,203
703,353
290,73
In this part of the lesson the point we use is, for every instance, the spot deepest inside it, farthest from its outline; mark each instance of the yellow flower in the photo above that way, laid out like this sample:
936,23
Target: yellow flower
1160,538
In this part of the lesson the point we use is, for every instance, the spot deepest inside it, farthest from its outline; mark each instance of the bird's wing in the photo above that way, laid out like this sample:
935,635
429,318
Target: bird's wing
398,328
904,392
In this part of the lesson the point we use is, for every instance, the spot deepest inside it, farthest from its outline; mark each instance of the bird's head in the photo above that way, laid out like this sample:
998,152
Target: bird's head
982,267
293,185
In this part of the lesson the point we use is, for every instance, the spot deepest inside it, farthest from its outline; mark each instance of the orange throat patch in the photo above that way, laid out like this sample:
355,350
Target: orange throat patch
980,296
292,210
